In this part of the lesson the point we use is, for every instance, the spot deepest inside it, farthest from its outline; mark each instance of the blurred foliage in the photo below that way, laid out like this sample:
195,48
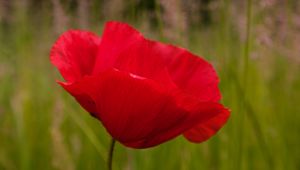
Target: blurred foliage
41,127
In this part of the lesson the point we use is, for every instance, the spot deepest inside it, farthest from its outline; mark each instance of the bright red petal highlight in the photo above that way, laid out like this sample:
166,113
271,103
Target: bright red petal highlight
74,54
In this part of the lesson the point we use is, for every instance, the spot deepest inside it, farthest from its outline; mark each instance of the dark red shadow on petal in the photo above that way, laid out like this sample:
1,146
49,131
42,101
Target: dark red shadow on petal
204,112
203,131
81,91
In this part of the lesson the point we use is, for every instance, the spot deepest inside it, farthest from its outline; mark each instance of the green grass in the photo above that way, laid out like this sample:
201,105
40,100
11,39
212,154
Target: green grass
42,127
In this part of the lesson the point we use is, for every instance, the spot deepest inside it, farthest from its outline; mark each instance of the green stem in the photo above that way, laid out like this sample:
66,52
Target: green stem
110,154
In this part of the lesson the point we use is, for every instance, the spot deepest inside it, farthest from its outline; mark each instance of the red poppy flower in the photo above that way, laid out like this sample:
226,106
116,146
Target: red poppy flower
144,92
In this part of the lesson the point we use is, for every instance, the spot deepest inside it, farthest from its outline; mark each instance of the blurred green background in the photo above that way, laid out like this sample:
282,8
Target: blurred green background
253,44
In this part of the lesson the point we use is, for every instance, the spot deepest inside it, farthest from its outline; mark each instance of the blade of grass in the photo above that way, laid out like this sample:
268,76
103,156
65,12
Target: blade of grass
90,134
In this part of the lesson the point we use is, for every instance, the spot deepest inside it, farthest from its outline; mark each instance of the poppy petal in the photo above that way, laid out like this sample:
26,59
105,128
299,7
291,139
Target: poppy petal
190,73
145,60
116,37
203,131
128,105
202,113
74,54
141,113
125,48
81,91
